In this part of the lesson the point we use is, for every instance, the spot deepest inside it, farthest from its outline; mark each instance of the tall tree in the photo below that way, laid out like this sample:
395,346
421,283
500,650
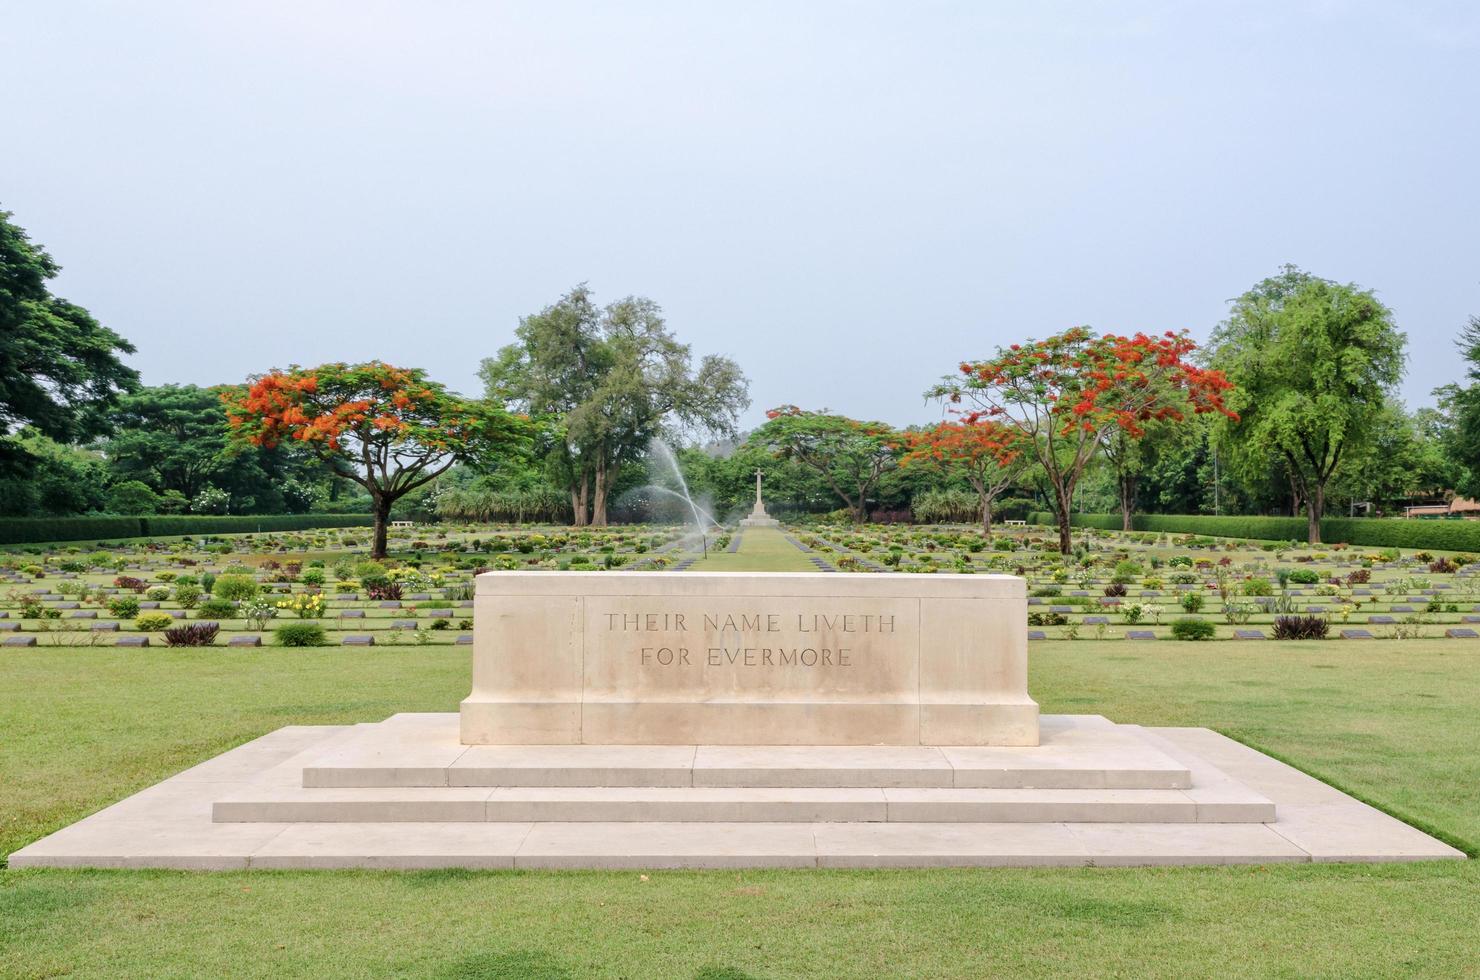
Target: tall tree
1460,405
1313,363
1068,394
58,366
176,438
386,428
988,454
612,380
851,456
172,437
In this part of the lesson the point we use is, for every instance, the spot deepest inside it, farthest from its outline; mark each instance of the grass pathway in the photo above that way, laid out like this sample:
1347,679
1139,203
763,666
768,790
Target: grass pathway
762,549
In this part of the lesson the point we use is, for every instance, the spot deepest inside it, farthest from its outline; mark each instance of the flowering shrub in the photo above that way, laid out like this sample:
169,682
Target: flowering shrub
306,605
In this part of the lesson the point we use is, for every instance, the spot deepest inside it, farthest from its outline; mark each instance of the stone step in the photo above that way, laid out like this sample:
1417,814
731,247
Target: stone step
423,750
1218,803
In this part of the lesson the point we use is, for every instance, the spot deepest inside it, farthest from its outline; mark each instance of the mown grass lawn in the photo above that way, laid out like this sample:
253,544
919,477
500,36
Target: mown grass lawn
1396,723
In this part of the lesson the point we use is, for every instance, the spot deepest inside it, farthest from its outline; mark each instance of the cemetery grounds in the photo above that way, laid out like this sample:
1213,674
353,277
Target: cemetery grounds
1392,717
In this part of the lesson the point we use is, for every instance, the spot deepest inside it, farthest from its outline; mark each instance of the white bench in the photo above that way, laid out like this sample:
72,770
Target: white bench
1016,523
403,523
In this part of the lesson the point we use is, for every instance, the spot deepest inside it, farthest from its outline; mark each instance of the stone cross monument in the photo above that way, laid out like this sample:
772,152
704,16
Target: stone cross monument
758,516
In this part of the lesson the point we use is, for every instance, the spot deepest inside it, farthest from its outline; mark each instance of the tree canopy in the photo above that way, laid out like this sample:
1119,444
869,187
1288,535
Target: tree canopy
389,429
1068,394
851,456
610,380
59,367
1314,364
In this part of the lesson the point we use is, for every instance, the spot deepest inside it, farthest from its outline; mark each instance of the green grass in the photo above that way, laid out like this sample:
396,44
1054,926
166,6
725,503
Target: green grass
1396,723
762,549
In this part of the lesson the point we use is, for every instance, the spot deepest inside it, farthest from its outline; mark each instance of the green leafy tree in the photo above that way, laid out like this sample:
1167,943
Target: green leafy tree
609,380
59,368
171,437
389,429
850,456
1458,419
132,497
1313,363
51,478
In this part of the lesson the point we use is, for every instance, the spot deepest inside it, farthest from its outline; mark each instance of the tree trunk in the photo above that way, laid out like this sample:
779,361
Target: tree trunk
380,506
578,502
598,494
1063,503
1127,499
986,517
1313,511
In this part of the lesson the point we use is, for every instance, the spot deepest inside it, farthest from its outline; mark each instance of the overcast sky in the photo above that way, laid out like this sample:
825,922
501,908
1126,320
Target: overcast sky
847,198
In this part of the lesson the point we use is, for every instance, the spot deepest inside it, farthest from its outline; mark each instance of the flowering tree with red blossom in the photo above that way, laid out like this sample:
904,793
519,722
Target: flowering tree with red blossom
988,453
386,428
850,455
1068,394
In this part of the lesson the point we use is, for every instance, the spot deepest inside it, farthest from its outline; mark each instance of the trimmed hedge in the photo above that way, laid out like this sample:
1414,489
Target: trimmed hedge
26,530
1375,532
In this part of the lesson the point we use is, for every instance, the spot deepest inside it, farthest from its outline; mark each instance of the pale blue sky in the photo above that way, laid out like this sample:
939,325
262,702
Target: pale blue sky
848,198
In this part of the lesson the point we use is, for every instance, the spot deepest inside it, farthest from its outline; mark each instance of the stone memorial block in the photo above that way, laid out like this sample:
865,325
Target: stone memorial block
1381,620
1249,634
1139,635
1096,621
403,624
244,641
105,627
18,641
359,641
352,614
132,640
9,627
465,639
749,658
1355,635
1037,635
1461,633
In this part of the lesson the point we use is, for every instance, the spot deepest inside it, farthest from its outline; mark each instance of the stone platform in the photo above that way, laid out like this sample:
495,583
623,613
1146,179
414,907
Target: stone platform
405,793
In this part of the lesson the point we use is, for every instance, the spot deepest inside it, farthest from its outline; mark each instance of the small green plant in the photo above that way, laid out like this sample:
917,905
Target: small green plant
1191,602
187,594
1193,629
234,588
1237,612
216,609
301,634
124,606
153,622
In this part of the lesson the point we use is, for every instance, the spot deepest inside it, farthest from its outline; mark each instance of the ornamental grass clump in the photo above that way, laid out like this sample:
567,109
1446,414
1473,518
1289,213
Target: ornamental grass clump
192,635
1300,627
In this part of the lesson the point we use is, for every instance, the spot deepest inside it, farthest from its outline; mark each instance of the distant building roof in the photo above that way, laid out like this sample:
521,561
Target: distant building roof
1456,505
